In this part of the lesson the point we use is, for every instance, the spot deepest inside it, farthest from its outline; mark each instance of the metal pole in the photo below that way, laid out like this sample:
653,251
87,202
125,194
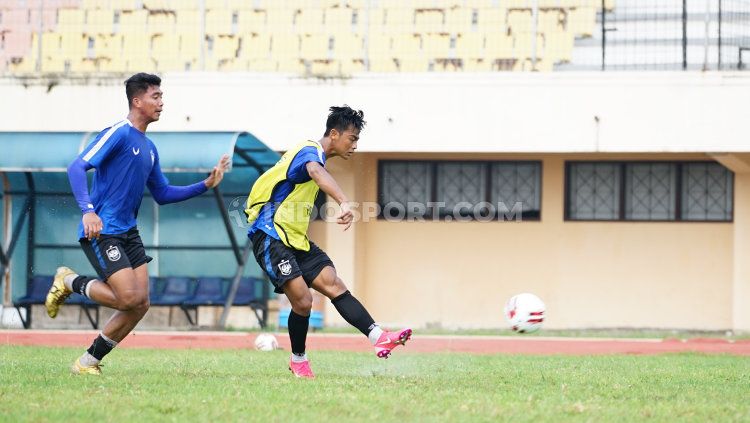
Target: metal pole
228,226
706,22
31,239
684,34
719,38
202,34
39,37
366,37
235,284
604,33
534,29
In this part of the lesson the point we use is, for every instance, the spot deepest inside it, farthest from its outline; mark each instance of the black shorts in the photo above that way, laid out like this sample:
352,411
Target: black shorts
111,253
282,263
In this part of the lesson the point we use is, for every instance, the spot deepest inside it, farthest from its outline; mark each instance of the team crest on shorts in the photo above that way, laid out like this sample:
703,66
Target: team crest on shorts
285,267
113,253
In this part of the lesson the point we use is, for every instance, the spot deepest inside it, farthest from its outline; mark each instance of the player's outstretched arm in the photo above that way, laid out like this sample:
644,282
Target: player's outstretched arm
329,185
164,193
92,224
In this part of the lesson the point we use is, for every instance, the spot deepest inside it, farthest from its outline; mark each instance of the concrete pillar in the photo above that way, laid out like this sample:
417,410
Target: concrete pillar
740,165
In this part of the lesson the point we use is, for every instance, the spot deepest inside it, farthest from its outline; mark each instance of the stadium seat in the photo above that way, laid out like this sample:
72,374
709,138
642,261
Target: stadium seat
255,46
338,18
470,44
399,20
100,21
347,47
491,20
429,20
210,291
176,290
133,22
436,45
309,21
351,66
219,22
458,20
520,20
315,47
251,21
383,64
498,46
187,21
247,295
161,23
70,20
285,46
37,294
582,21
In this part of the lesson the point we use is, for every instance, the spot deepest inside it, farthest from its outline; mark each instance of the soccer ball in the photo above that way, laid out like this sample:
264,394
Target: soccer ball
266,342
525,313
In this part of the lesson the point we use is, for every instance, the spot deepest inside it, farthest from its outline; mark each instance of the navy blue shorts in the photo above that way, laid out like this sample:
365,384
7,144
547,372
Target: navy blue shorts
111,253
282,263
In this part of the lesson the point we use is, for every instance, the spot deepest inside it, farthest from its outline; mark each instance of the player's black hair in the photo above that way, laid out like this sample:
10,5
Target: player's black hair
341,118
139,83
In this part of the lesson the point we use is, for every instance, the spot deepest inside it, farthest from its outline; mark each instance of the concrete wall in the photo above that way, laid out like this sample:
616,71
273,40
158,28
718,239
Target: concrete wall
505,112
590,274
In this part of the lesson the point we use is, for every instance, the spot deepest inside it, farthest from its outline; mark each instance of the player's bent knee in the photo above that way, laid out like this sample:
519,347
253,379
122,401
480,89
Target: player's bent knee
302,305
135,302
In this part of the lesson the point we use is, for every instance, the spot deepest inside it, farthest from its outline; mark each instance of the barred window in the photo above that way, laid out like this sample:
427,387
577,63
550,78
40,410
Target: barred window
451,189
648,191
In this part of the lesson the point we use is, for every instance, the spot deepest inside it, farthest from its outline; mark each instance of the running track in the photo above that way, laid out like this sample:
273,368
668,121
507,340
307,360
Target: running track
418,344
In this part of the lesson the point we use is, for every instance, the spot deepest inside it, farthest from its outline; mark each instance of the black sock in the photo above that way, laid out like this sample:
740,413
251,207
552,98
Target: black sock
353,312
100,348
79,285
298,326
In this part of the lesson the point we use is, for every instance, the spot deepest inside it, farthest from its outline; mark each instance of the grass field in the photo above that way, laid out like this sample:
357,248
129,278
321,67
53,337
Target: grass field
207,385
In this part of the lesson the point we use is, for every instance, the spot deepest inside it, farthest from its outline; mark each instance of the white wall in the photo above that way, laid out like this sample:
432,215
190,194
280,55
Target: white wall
508,112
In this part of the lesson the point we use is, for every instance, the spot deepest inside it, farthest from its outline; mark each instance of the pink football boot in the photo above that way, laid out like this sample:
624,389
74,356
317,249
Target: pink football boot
390,340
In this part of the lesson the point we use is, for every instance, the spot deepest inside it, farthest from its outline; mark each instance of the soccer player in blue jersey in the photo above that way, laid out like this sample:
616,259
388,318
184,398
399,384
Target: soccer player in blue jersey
125,161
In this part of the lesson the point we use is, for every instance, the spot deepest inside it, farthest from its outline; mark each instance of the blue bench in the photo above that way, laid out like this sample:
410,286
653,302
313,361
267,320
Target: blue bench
189,294
37,294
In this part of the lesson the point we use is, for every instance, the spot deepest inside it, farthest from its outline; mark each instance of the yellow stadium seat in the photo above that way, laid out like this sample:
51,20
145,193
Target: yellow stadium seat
498,46
309,21
95,4
136,46
154,5
346,47
523,45
70,20
74,45
225,47
188,21
165,46
491,20
161,23
407,45
125,4
108,45
399,20
251,21
264,65
296,66
552,20
472,64
436,45
240,5
413,64
338,18
219,22
377,20
351,66
190,47
133,22
582,21
458,19
26,65
383,64
140,64
378,45
112,64
324,67
520,20
51,42
429,20
279,20
470,44
53,64
315,47
169,64
100,21
215,4
481,4
83,65
559,45
255,46
284,46
182,5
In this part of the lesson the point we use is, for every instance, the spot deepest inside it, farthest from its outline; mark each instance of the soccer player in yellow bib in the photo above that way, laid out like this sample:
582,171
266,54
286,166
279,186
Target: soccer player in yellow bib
279,208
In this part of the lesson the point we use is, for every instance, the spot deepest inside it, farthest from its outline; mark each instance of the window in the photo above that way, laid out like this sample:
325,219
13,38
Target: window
648,191
467,190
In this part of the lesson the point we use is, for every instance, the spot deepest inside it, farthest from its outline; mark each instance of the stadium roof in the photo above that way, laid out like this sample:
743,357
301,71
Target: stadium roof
178,151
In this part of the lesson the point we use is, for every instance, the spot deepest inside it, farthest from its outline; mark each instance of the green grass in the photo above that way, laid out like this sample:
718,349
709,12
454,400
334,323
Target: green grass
243,385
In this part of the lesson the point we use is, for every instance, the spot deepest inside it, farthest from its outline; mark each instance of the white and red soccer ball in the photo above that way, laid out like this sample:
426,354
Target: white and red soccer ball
266,342
525,313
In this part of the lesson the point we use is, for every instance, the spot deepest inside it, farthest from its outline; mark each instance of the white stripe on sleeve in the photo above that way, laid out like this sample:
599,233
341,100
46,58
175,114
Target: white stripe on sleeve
98,146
